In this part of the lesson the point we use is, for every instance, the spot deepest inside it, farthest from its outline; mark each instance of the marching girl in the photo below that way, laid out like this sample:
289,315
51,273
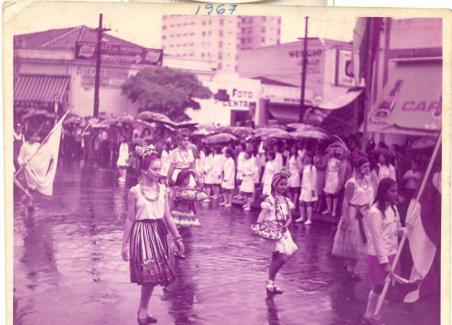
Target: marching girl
277,208
332,183
145,232
294,166
308,193
349,240
228,179
383,229
181,158
271,168
249,173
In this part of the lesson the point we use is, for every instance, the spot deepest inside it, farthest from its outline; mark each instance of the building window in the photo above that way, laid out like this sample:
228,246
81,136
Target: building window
209,33
191,54
210,22
263,39
220,44
263,29
203,33
202,55
220,56
164,27
264,18
220,33
192,23
221,22
219,65
204,23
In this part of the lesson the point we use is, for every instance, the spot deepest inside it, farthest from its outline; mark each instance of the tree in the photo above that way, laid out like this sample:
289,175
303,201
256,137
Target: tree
165,90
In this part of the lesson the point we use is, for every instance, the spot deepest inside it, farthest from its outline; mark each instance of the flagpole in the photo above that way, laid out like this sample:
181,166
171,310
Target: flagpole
403,240
42,143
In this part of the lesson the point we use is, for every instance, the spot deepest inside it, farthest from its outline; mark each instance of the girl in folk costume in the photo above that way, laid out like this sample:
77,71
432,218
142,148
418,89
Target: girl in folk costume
332,183
183,198
277,208
181,158
383,229
308,194
249,173
228,181
349,241
145,232
271,168
123,157
294,166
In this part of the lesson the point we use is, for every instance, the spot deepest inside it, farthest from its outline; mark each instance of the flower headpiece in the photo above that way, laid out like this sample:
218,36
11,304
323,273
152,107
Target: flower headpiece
143,151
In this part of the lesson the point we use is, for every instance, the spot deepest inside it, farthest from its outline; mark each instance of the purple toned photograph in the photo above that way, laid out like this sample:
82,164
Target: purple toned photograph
219,168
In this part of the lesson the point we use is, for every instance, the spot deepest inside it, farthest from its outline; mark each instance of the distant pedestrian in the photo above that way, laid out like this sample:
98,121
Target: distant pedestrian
123,157
294,165
249,174
146,229
383,229
277,208
270,170
332,183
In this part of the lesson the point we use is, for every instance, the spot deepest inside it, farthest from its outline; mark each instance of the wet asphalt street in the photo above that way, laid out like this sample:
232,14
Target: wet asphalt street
68,268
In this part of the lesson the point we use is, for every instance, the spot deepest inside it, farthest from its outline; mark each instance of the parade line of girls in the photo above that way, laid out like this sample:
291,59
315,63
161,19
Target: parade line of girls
145,244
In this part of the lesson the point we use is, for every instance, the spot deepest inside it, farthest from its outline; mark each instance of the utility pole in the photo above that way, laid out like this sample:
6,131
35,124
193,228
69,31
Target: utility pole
100,32
303,70
369,77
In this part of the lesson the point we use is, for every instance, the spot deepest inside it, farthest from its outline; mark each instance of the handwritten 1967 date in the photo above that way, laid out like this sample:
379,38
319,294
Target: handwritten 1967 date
218,9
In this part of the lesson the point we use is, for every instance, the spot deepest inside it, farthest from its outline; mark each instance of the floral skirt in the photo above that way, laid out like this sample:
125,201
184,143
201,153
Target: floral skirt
285,245
150,253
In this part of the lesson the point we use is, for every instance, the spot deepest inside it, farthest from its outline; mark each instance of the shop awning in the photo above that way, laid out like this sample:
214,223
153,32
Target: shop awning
40,90
411,100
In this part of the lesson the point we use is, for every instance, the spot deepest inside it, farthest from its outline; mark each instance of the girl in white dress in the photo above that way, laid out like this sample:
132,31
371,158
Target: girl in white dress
332,183
217,169
239,174
249,172
278,208
123,157
271,168
308,194
294,167
385,169
349,241
228,179
207,172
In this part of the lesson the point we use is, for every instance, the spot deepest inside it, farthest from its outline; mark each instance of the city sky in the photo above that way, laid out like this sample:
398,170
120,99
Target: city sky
142,22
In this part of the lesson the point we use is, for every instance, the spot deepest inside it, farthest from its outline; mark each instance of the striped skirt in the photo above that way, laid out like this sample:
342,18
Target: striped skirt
150,254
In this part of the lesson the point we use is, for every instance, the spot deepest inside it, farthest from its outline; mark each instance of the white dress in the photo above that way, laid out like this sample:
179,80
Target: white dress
249,171
166,163
279,161
207,170
228,181
386,172
217,168
123,155
269,172
332,176
294,170
308,184
279,212
240,159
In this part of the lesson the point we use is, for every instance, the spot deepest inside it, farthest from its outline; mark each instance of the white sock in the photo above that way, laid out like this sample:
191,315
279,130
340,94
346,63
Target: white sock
371,304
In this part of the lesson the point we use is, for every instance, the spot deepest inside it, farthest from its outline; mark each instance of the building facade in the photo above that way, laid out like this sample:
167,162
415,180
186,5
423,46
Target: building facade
55,70
217,39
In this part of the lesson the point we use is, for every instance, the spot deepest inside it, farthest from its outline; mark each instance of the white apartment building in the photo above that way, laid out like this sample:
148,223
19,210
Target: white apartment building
217,39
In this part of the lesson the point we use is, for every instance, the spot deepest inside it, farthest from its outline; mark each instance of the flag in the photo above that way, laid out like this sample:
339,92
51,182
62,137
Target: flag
423,226
40,170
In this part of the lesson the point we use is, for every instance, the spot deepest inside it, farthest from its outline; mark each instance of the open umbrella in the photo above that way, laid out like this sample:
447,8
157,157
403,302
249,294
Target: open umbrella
281,135
72,120
183,125
220,138
264,132
241,131
309,134
155,117
202,132
125,119
423,143
385,152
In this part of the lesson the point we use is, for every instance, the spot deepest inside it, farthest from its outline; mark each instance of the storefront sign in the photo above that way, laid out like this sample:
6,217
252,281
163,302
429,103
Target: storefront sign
118,53
108,77
240,98
344,69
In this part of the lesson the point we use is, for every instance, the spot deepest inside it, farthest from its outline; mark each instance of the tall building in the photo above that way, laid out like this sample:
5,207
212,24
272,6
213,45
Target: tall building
217,39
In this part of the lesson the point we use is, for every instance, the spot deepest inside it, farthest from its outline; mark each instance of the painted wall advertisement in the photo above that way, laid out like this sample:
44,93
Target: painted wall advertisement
109,78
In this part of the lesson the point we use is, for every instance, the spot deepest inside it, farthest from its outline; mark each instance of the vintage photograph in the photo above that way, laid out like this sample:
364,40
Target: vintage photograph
216,166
